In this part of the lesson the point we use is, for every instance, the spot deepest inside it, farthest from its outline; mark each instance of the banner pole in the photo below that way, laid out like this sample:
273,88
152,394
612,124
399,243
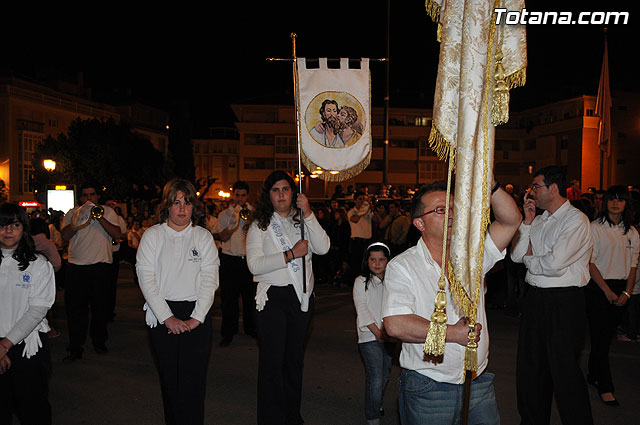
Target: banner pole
297,102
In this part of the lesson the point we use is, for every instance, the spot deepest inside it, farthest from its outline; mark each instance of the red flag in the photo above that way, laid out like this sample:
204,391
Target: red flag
603,106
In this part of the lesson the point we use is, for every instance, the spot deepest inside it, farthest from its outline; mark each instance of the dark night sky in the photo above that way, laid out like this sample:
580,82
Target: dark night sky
214,56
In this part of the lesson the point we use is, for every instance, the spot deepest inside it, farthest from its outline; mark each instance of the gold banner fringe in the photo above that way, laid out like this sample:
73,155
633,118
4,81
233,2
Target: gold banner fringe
471,353
441,146
433,10
343,174
517,78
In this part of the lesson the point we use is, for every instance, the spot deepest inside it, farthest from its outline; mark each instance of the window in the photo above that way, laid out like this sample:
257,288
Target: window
378,143
564,142
530,145
286,144
259,139
287,164
407,144
28,143
53,122
258,163
432,170
196,147
588,112
425,149
505,155
422,121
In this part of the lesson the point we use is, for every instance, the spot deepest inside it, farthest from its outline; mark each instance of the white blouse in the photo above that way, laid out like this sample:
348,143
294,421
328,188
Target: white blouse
266,260
614,253
177,266
368,303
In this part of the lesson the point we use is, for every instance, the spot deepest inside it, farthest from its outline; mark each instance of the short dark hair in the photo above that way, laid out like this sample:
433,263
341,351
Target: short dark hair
417,207
357,194
240,185
554,174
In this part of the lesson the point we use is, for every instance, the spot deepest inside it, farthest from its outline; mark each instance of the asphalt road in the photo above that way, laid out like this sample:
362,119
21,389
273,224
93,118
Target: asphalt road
122,386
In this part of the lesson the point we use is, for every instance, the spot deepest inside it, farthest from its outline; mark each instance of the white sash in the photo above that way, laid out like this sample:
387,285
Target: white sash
294,268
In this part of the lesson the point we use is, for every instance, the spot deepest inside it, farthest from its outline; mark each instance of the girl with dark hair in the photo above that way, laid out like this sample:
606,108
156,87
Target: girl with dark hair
612,267
27,291
177,267
275,252
372,338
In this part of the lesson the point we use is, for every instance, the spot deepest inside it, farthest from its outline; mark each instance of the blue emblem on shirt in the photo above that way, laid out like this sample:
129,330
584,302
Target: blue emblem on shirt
24,280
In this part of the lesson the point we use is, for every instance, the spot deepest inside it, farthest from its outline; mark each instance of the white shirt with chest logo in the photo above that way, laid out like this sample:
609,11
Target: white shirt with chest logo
34,286
177,266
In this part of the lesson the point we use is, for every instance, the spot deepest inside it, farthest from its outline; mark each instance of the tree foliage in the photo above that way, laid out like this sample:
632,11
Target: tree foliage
103,152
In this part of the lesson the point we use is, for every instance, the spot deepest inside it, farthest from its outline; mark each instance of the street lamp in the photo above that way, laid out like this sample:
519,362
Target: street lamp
49,165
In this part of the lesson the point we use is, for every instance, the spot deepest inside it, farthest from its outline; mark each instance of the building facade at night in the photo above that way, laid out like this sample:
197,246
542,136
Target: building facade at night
563,133
30,112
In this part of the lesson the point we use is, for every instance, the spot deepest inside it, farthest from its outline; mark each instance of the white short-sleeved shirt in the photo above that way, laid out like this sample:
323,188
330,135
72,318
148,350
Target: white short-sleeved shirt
92,244
35,286
368,303
614,253
177,266
410,287
361,229
228,219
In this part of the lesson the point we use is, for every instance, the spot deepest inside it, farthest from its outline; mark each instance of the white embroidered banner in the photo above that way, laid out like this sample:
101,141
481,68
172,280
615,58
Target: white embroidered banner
334,112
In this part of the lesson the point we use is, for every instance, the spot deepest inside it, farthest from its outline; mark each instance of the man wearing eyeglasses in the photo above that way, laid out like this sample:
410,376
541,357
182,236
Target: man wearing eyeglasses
556,248
430,389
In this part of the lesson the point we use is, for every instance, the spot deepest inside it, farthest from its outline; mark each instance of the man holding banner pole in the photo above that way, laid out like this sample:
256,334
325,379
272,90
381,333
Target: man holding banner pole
430,388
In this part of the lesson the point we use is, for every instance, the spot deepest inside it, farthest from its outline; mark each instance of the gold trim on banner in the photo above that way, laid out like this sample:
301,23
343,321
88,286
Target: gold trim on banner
442,148
433,10
517,78
343,174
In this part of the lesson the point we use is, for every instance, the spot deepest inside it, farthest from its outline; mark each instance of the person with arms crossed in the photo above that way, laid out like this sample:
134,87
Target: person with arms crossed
556,248
430,388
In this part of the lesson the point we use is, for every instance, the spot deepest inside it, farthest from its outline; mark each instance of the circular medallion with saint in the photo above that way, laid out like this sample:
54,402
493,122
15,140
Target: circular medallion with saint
335,119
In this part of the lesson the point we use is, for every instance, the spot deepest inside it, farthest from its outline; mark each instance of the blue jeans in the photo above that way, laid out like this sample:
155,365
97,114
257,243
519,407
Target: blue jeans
422,400
377,363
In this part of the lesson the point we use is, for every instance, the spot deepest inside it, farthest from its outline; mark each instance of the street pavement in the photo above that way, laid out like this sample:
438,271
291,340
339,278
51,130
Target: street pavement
122,387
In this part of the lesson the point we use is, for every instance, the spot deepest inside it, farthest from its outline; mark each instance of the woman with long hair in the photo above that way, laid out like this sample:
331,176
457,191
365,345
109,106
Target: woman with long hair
177,267
27,291
373,341
612,267
275,252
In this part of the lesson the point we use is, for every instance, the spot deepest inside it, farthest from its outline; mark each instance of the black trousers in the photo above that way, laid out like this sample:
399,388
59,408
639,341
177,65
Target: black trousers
282,329
236,281
182,364
24,388
604,318
552,329
87,286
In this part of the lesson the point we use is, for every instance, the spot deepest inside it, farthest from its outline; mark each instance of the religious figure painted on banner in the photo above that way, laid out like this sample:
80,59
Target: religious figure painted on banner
335,119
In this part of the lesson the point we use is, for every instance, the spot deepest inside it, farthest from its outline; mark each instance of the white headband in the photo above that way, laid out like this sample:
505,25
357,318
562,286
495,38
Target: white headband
379,244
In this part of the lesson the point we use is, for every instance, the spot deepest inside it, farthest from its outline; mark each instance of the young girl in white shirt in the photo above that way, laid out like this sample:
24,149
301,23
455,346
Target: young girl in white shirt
27,292
373,340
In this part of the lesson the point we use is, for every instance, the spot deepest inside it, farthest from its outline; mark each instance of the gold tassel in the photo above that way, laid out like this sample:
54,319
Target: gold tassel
471,352
500,106
437,333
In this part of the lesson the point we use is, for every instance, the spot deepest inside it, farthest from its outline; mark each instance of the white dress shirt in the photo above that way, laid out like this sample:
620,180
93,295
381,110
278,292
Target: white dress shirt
228,219
410,287
177,266
614,253
92,244
368,304
266,260
561,244
361,229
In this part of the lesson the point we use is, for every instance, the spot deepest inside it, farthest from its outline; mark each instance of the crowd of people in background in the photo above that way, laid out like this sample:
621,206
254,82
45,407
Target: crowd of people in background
357,223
